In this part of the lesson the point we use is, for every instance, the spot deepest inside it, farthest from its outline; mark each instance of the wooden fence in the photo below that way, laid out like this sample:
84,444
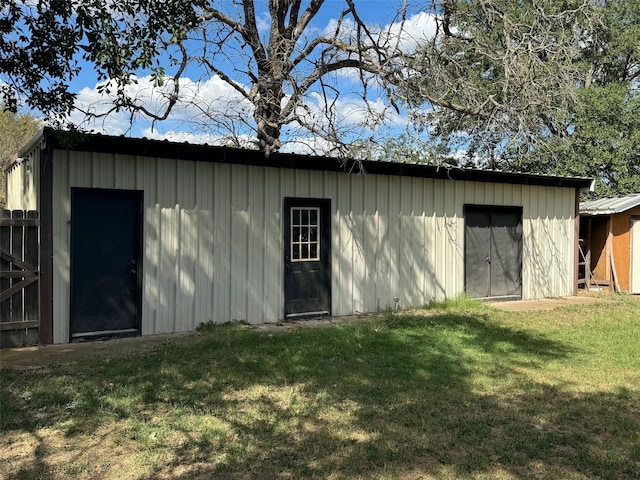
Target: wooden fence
19,288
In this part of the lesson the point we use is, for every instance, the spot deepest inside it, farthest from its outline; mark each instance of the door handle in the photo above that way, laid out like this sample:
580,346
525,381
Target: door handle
488,259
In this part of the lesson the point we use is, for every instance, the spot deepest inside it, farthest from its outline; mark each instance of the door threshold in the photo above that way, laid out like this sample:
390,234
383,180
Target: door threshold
127,332
294,316
503,298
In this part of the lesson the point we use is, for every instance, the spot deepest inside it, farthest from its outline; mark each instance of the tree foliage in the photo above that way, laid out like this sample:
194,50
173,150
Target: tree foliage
273,69
548,86
600,137
44,42
537,85
495,72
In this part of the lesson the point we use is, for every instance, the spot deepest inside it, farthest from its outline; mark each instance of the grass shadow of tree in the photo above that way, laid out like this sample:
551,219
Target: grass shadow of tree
398,397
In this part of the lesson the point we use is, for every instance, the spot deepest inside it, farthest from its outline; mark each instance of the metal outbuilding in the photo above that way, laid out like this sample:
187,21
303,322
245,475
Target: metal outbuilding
142,236
610,241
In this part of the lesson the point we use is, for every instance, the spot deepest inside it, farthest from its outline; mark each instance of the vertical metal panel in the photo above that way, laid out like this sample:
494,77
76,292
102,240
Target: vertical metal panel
420,255
405,250
530,247
441,262
146,180
457,232
187,246
452,267
222,241
23,182
383,255
204,266
239,242
544,239
151,297
342,264
61,246
255,255
168,235
371,219
273,300
330,191
548,241
428,232
395,282
124,172
79,169
102,170
357,232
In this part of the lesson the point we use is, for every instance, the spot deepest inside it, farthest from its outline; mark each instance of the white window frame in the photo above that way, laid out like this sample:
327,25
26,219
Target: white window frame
308,243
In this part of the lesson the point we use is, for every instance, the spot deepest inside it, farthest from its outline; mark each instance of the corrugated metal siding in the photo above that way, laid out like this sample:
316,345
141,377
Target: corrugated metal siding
23,182
213,237
548,242
609,205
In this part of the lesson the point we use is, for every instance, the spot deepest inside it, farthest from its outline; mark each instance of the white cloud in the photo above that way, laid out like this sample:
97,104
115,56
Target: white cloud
404,35
212,107
201,138
354,111
308,146
206,103
400,36
415,30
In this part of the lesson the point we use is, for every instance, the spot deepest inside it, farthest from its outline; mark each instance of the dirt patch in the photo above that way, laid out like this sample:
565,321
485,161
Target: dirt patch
44,355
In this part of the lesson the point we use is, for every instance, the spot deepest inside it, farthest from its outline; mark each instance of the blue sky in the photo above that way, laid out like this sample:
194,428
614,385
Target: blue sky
226,108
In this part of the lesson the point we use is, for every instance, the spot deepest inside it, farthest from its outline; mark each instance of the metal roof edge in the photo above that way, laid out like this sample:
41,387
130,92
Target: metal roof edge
30,145
610,205
80,141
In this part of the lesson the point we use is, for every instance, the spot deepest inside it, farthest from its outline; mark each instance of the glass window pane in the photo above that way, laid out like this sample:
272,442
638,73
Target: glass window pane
305,234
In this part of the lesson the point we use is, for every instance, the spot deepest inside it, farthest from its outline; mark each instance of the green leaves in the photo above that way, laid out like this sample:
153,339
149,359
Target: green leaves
600,137
493,69
43,41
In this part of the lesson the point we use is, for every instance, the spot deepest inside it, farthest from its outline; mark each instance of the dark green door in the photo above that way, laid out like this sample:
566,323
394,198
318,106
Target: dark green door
106,234
307,240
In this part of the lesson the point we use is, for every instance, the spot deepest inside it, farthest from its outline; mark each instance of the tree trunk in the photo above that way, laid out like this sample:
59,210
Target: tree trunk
268,113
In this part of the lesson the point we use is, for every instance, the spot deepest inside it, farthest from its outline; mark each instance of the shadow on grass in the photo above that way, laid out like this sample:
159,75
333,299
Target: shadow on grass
445,396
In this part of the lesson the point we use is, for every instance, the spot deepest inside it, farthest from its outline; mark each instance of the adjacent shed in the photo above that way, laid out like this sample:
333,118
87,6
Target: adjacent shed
610,242
142,236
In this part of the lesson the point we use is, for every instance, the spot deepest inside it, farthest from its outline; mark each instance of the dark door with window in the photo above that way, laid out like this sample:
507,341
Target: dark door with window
106,235
493,251
307,240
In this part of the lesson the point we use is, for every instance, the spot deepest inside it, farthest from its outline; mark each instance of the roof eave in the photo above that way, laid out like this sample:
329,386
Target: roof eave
187,151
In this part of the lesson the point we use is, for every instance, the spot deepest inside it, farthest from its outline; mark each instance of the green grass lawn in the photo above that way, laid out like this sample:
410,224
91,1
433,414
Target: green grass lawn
458,391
